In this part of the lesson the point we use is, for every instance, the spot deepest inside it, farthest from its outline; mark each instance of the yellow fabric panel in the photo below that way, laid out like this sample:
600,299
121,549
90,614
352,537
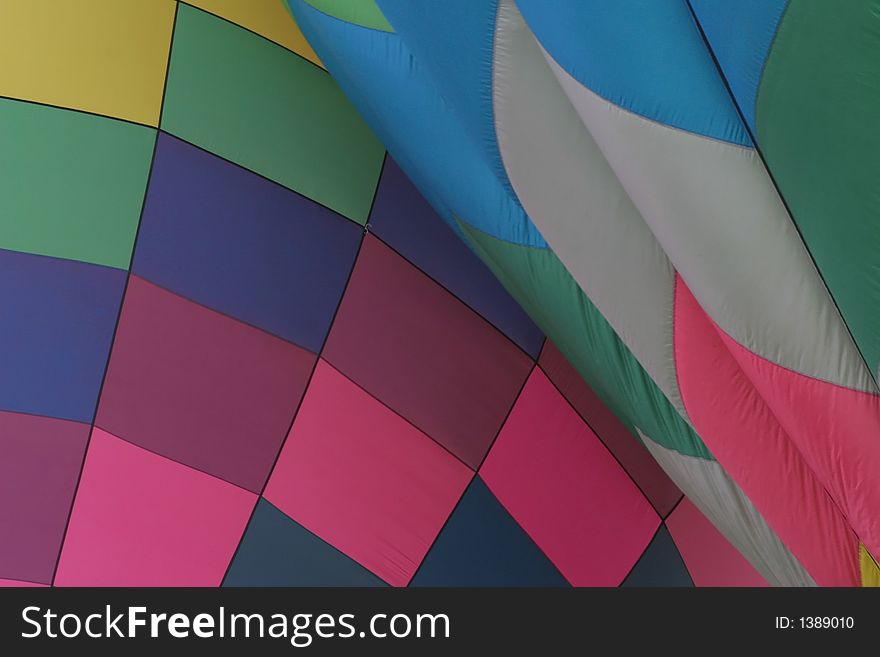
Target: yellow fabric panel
102,56
269,18
870,569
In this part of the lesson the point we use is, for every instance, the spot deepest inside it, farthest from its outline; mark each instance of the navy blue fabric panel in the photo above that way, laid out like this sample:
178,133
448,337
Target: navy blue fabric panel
740,33
659,565
482,545
230,240
646,56
58,322
402,218
276,551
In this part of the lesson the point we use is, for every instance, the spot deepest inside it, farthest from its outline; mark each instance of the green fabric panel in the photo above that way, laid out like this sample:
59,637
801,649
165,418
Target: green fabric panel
541,284
817,126
365,13
253,102
71,184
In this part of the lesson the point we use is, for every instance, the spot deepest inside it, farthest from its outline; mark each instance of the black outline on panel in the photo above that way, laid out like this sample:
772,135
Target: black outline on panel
782,198
119,313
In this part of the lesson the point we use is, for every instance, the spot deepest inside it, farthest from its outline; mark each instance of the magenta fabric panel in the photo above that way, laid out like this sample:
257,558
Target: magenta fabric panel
836,430
199,387
140,519
420,350
747,439
13,583
562,485
40,459
710,558
403,219
636,460
363,479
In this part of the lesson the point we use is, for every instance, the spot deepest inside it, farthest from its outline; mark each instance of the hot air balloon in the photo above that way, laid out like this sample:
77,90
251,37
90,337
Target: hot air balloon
678,193
246,346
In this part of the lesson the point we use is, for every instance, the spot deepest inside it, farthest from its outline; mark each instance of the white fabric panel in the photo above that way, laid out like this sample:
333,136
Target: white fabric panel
574,198
719,498
715,211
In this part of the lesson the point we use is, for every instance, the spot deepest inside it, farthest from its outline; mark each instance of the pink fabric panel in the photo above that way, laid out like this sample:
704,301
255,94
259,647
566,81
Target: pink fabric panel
424,353
140,519
743,434
709,557
632,455
364,479
561,484
837,430
199,387
40,460
12,583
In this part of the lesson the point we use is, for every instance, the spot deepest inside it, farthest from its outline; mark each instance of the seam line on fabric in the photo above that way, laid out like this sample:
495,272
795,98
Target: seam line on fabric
119,311
871,375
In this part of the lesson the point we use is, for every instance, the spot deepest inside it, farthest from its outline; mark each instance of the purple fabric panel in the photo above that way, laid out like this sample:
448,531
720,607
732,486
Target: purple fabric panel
402,218
199,387
232,241
425,354
57,324
39,466
635,459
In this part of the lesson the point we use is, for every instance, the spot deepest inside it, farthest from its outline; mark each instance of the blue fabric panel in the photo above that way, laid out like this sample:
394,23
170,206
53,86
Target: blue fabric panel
232,241
741,33
403,219
276,551
482,545
386,83
454,41
58,322
659,565
646,56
